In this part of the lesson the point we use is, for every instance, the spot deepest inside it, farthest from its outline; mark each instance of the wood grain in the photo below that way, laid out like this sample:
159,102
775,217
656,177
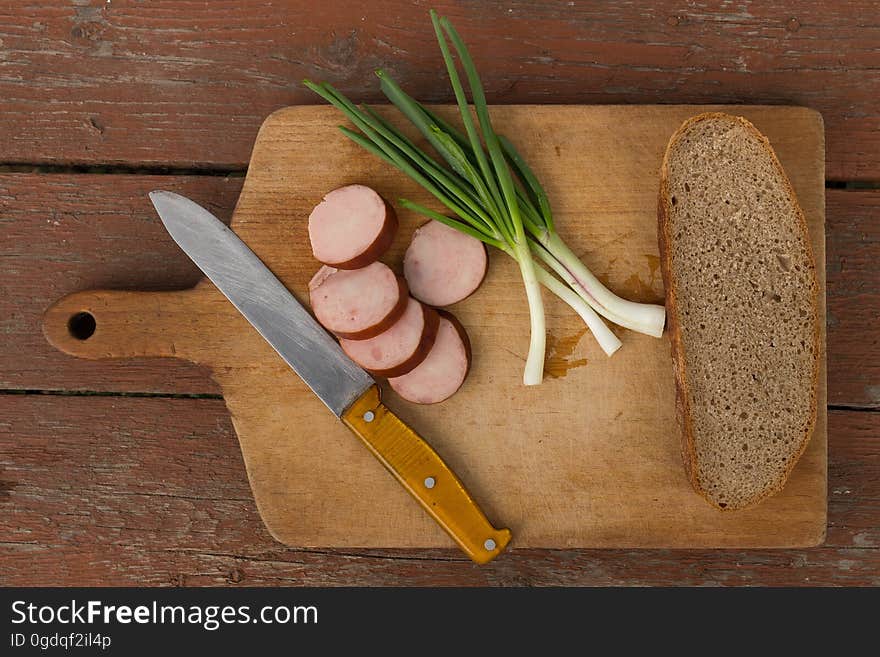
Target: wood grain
63,233
594,459
853,271
121,491
187,83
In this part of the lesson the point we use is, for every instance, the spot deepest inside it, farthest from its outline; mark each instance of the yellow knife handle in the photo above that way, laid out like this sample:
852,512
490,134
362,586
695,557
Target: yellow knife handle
424,474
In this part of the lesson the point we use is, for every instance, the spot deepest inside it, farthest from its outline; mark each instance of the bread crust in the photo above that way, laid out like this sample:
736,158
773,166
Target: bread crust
683,410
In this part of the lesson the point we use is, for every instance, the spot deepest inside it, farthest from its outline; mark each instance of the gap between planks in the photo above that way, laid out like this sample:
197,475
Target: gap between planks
196,170
116,169
108,393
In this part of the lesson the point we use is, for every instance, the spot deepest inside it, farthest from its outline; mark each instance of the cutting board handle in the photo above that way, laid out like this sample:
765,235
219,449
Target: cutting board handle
99,324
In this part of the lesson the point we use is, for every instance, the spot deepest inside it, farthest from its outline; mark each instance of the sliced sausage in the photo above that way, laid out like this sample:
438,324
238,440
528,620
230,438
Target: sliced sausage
442,266
443,370
352,227
357,304
401,347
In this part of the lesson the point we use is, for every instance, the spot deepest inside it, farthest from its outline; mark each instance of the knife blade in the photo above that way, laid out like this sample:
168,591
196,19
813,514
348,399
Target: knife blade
264,301
345,388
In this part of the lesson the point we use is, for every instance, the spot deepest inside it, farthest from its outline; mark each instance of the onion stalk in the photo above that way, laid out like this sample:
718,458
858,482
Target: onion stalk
606,339
549,247
494,196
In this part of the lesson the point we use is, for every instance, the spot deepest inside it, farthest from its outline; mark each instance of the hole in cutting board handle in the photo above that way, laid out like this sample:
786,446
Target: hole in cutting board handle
82,325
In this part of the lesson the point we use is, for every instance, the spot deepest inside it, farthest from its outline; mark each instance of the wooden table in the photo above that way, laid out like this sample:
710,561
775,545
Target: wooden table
125,473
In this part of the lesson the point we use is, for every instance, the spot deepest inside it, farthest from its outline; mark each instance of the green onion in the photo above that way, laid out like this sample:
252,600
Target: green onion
534,371
494,195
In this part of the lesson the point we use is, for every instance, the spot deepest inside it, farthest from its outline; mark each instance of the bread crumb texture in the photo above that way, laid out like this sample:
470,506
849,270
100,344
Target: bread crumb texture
745,287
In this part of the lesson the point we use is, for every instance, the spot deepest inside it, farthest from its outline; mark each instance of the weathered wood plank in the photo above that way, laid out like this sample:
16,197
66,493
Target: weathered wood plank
66,233
153,492
852,269
187,83
853,479
63,233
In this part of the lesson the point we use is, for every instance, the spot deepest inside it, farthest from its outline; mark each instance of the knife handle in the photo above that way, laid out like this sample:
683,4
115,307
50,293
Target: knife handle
424,474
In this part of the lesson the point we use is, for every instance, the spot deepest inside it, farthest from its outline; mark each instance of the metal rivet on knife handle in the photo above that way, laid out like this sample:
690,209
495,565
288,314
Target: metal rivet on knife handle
427,478
347,390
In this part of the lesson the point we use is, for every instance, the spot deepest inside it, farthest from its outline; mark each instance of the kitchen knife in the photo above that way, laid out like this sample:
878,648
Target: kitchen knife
343,386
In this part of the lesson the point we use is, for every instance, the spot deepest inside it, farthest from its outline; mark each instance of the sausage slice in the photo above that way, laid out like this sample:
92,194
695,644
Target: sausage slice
400,348
444,369
357,304
442,266
352,227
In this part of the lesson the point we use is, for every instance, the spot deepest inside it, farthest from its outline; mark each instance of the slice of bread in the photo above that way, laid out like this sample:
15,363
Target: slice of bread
742,305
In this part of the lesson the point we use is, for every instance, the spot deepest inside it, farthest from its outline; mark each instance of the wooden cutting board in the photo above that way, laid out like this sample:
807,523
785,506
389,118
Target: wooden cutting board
588,459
